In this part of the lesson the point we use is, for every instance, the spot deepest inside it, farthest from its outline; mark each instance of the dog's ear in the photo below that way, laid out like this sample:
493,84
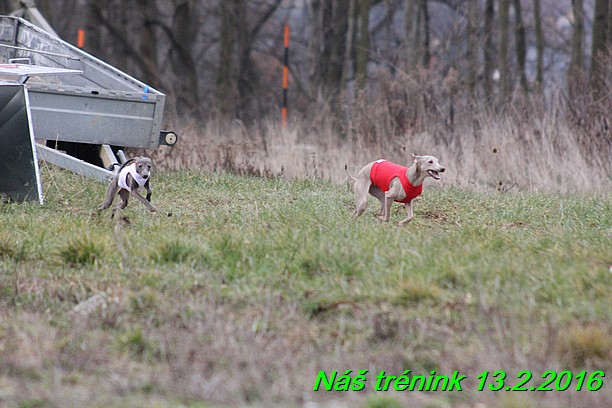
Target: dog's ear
416,158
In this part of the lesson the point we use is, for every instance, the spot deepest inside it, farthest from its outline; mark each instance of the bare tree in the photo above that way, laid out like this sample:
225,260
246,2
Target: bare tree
472,48
410,33
112,18
575,73
248,79
416,33
335,26
351,37
539,38
220,52
363,44
224,95
93,35
7,7
181,34
148,43
520,45
489,16
315,43
237,78
424,32
577,60
504,61
600,47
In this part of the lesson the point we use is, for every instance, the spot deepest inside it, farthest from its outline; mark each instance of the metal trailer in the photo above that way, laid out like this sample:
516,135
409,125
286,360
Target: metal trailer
71,96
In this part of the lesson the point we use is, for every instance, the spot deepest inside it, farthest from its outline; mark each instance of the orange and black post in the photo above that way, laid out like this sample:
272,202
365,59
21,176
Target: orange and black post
285,77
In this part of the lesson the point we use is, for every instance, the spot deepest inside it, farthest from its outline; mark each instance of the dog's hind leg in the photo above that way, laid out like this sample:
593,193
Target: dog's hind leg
380,195
124,195
110,195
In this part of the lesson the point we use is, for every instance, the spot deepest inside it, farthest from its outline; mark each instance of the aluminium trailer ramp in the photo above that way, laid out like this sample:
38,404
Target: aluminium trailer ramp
100,105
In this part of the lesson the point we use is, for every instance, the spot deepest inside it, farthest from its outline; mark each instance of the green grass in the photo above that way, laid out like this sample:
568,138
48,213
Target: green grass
239,290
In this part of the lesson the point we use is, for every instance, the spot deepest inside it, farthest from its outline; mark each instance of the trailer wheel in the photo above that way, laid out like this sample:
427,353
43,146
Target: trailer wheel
171,139
168,138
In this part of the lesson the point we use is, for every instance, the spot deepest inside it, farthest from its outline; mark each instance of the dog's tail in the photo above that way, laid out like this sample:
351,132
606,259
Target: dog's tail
351,177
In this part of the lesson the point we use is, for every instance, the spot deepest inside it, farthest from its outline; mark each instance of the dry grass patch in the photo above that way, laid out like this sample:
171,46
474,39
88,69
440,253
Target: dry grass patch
585,345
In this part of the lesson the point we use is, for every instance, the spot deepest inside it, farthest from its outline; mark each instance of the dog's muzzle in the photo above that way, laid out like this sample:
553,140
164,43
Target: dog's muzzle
435,174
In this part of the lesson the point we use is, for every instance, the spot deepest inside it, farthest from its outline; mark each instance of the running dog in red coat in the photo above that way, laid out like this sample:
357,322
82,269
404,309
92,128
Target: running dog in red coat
391,182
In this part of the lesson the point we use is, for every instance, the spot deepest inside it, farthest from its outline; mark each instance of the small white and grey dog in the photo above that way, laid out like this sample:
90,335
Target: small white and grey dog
391,182
132,177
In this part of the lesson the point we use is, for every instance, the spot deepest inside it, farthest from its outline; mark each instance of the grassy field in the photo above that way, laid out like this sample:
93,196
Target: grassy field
240,290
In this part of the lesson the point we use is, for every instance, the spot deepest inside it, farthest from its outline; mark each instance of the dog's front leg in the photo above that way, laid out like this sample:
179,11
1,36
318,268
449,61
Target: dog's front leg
395,192
386,210
410,214
149,192
380,195
147,204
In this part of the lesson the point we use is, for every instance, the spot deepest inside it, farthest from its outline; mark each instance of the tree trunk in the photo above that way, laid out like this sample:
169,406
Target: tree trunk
181,57
315,43
245,82
325,60
472,49
504,62
410,33
349,52
520,45
488,49
335,25
539,38
575,72
93,37
248,78
7,7
148,43
424,13
363,45
600,47
609,34
224,95
577,61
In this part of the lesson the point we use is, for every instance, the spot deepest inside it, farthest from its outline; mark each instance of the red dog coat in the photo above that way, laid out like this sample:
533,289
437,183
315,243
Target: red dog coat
384,171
